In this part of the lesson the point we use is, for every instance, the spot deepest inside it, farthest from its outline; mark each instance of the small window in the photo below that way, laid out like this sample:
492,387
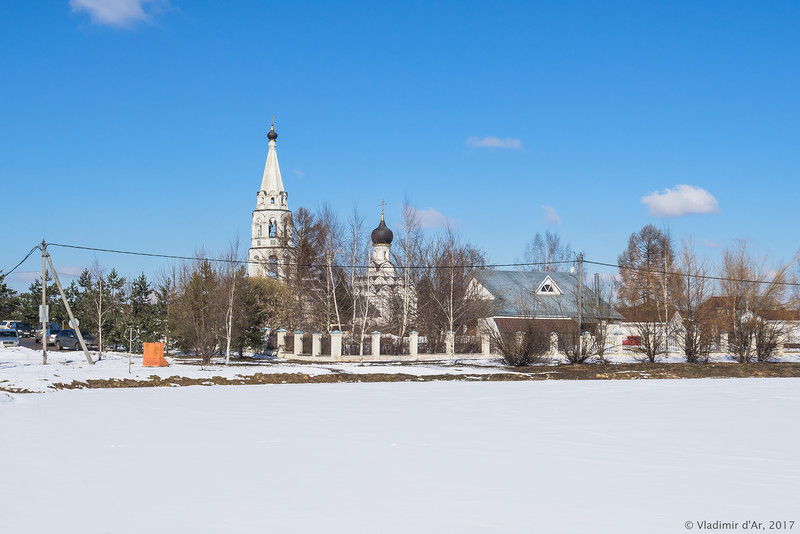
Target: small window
272,266
272,200
273,228
547,288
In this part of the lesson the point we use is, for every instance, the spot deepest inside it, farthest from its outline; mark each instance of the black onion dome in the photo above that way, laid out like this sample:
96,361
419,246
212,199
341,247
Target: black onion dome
272,135
382,235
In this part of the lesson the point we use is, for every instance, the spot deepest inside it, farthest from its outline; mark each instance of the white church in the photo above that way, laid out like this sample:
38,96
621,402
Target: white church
270,251
271,245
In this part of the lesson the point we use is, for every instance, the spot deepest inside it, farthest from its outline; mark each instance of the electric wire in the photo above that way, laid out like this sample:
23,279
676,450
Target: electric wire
4,274
460,266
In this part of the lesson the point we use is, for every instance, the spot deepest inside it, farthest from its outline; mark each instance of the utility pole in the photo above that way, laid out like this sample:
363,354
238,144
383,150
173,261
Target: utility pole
44,303
73,322
580,304
666,309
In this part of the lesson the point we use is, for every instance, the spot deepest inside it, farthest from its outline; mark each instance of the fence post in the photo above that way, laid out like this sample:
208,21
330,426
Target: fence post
281,333
376,343
413,344
723,342
781,341
298,342
449,342
316,343
336,343
553,343
485,345
618,338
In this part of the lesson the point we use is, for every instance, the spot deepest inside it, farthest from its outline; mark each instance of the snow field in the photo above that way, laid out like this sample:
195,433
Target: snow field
562,456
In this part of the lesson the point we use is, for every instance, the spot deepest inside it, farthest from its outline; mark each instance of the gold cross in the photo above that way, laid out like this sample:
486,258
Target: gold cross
383,203
272,122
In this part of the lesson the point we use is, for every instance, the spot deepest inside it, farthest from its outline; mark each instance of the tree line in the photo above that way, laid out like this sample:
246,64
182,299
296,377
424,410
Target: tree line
211,308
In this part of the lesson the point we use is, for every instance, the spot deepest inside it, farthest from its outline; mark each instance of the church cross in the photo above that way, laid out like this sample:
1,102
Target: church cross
383,204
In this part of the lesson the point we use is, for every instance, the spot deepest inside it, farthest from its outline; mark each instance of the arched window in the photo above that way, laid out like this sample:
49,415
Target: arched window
272,200
273,228
258,230
272,266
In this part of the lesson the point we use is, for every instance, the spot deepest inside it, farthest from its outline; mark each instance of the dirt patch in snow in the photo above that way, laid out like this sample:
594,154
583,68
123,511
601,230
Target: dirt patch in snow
560,372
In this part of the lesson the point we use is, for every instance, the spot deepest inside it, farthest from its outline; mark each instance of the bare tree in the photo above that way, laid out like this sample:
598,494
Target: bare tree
580,342
697,335
546,253
231,275
647,288
526,347
448,297
407,255
330,242
752,293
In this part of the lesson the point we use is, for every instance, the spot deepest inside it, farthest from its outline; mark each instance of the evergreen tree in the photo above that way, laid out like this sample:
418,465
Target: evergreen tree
9,300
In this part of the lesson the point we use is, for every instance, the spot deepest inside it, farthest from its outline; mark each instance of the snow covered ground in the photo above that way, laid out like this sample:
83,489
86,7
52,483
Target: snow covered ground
563,456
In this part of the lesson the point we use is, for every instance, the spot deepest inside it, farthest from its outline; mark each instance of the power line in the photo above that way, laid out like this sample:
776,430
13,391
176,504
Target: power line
471,266
704,276
37,247
339,266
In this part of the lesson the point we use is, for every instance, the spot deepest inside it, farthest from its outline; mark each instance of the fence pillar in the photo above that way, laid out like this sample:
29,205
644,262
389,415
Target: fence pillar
723,342
281,333
316,343
298,342
618,346
449,341
376,343
413,343
336,343
781,341
486,346
553,343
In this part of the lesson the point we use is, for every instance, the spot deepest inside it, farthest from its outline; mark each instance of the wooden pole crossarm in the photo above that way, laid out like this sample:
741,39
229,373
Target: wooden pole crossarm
76,326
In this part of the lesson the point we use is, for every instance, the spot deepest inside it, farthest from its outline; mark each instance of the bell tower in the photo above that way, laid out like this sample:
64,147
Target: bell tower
271,237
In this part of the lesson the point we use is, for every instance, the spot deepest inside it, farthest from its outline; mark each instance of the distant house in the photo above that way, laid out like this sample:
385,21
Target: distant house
548,301
639,321
717,310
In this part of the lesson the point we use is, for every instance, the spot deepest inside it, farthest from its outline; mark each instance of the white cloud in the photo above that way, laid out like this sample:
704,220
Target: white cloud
70,271
710,244
681,200
431,218
550,214
493,142
26,276
301,174
118,13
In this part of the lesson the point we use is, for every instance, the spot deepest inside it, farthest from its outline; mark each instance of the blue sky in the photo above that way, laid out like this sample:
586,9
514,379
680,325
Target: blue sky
142,125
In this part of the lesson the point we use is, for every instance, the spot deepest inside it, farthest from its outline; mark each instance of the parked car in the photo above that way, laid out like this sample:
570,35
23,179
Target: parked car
51,328
8,338
51,336
68,339
23,329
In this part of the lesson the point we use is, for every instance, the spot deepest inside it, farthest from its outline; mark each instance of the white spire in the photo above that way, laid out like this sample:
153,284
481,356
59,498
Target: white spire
272,182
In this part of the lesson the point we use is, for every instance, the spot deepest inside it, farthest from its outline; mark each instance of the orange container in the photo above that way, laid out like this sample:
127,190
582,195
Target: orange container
154,355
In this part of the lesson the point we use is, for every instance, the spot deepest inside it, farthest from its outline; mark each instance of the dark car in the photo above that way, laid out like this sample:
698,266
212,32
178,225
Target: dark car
67,339
23,329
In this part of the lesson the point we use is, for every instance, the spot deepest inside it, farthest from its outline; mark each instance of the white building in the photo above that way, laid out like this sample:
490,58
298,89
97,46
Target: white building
271,239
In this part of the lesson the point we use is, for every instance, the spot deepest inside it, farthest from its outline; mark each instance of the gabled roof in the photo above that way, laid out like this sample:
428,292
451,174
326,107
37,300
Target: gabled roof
516,294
